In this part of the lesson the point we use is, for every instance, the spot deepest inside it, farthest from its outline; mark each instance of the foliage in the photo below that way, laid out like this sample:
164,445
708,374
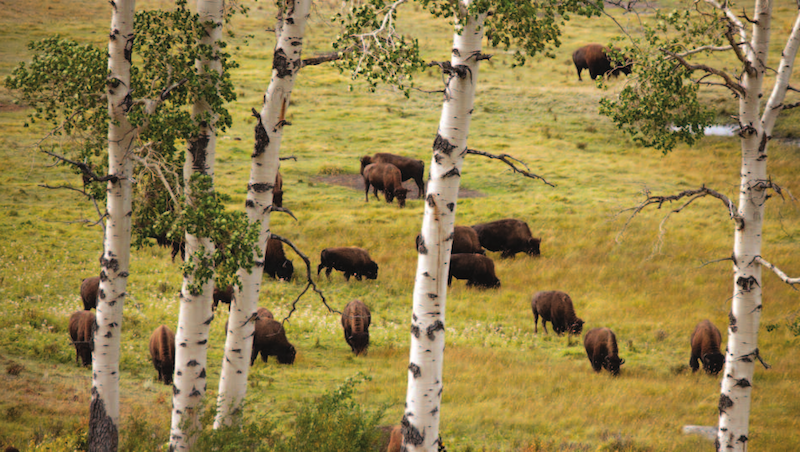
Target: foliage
662,107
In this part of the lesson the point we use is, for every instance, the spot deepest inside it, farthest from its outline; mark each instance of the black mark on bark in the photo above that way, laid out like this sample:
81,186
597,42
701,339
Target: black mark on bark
436,326
442,145
416,372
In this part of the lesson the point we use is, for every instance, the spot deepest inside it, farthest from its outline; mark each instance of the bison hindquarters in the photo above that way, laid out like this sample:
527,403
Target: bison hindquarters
356,318
162,353
81,330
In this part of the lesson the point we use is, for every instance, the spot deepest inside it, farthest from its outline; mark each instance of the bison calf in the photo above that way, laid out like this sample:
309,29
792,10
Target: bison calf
477,269
510,236
594,57
409,168
601,348
705,347
349,260
355,322
385,177
269,339
162,353
81,330
275,263
90,287
555,307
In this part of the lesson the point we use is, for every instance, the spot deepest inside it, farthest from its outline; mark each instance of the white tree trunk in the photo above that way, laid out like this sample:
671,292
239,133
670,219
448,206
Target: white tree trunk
264,168
742,351
423,398
195,315
104,410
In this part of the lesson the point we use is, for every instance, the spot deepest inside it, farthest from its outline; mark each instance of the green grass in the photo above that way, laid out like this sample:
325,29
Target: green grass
506,388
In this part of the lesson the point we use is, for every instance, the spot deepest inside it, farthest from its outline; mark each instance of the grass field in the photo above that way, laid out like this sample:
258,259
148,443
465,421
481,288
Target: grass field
506,388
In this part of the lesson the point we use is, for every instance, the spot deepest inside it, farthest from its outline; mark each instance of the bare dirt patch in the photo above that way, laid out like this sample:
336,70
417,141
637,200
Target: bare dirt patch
356,182
4,107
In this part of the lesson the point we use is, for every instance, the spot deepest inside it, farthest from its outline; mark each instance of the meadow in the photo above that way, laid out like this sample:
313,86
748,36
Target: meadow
506,388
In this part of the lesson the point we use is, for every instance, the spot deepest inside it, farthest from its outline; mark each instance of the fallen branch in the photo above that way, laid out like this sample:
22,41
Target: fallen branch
310,281
777,271
509,160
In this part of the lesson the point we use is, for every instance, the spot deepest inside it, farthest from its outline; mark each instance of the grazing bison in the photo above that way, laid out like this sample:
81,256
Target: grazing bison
90,288
222,296
355,322
594,58
81,330
705,347
162,353
601,348
261,313
275,263
350,260
409,168
555,307
465,240
277,191
509,236
477,269
384,177
269,339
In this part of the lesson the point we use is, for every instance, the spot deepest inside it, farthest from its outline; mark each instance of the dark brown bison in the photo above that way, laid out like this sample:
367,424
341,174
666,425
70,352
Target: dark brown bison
222,296
81,330
351,260
275,263
509,236
396,439
162,353
705,347
465,240
277,191
594,58
409,168
601,348
384,177
261,313
477,269
269,339
555,307
355,322
90,288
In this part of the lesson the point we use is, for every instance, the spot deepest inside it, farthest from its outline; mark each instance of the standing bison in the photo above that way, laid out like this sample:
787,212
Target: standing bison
594,57
162,353
555,307
275,263
477,269
465,240
705,347
81,330
269,339
222,296
90,288
601,348
350,260
409,168
355,322
509,236
384,177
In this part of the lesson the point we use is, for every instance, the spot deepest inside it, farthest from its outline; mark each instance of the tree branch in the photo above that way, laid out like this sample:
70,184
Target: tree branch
85,169
310,281
507,159
732,84
777,271
324,58
273,208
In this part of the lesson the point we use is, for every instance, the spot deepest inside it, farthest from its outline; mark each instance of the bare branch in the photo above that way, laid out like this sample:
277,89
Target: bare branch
310,281
717,260
156,167
273,208
706,49
777,271
85,169
507,159
291,157
732,84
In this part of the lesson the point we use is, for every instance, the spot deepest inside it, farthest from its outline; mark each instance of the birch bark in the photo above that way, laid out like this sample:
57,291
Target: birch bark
104,409
195,306
745,315
423,398
265,163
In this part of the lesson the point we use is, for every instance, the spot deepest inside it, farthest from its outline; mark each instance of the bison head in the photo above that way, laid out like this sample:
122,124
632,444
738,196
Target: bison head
612,364
713,363
401,194
366,160
286,356
359,342
285,271
532,247
372,271
576,327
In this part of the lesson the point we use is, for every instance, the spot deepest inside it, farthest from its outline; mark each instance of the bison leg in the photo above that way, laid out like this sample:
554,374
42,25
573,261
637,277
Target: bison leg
597,365
508,254
358,276
366,190
420,187
328,272
347,276
693,363
544,325
536,322
253,355
321,265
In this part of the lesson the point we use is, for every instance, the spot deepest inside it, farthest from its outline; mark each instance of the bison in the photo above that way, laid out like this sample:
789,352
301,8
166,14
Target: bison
409,168
477,269
395,439
162,353
555,307
261,313
509,236
222,296
465,240
90,287
384,177
594,57
277,191
82,326
355,322
350,260
601,348
275,263
705,347
269,339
